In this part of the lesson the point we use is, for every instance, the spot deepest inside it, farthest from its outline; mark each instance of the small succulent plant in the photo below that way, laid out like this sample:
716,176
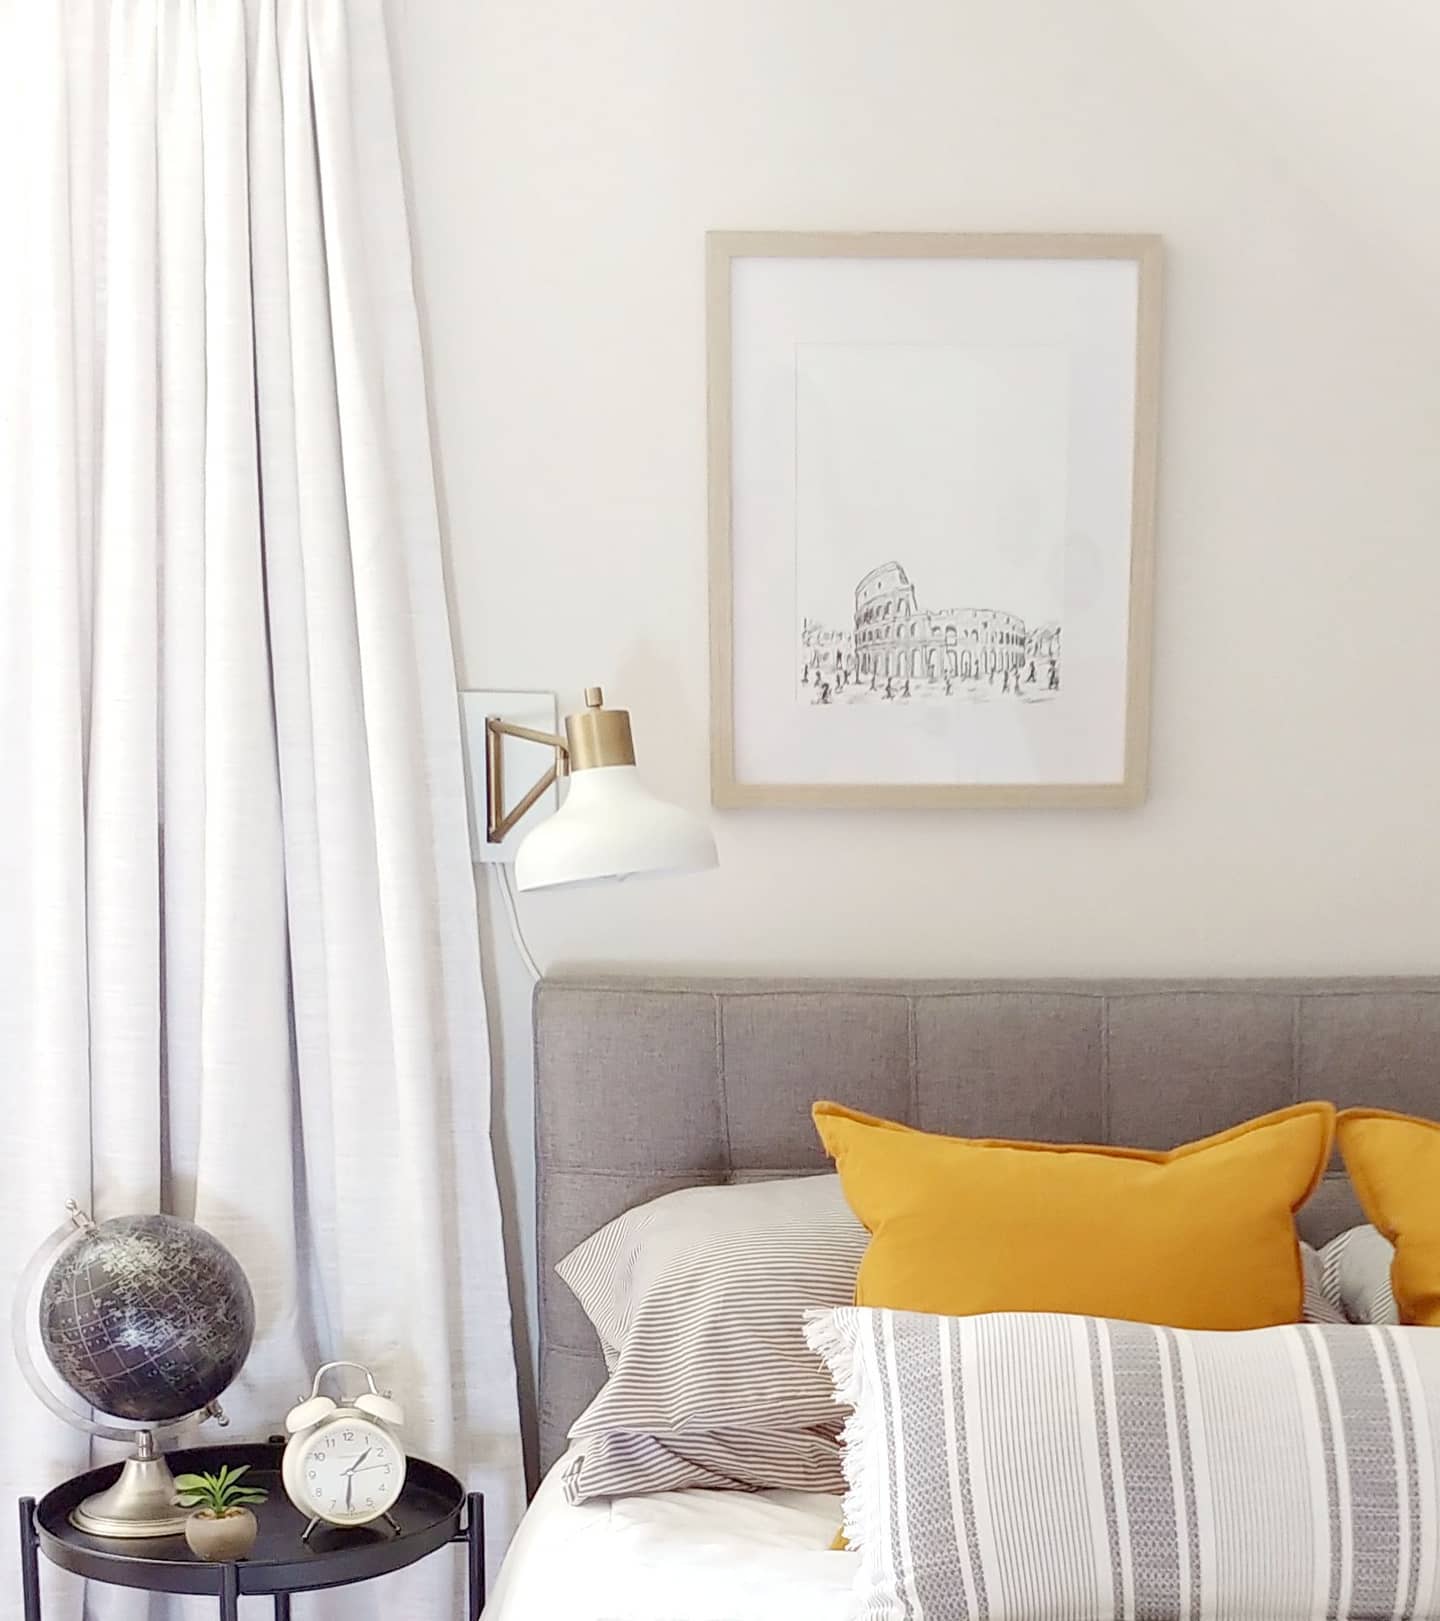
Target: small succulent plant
219,1494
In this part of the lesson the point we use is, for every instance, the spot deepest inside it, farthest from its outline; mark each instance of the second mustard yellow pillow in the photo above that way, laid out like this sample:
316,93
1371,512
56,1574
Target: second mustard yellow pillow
1200,1237
1394,1165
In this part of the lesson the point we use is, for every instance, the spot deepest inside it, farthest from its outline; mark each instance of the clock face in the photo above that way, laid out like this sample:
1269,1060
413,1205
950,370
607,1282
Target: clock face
347,1471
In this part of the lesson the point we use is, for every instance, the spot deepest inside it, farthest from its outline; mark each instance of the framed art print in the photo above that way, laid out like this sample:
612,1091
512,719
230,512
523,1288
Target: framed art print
932,479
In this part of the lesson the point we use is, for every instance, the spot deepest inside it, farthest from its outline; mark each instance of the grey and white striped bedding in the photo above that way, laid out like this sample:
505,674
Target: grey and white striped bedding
1355,1276
1031,1467
699,1299
1322,1300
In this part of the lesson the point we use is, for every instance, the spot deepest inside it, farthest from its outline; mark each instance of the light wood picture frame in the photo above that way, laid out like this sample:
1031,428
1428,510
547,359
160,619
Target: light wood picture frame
905,428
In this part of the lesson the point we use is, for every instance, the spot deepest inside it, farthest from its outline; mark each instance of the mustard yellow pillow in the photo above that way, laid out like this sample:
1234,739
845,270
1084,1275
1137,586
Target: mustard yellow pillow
1200,1237
1394,1165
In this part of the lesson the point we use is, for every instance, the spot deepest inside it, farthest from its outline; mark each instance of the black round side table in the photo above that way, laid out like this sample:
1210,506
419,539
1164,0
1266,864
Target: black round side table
434,1509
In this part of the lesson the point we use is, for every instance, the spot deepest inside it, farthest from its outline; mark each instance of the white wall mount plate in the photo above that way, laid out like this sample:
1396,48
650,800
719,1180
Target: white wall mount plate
521,764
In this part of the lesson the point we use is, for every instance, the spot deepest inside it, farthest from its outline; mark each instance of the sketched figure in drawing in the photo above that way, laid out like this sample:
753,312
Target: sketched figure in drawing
972,655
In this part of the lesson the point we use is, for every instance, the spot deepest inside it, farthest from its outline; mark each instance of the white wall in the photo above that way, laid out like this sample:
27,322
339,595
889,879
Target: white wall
567,157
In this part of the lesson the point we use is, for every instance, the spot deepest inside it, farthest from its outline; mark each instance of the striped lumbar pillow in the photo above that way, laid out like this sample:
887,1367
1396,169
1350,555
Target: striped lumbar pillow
699,1299
1021,1467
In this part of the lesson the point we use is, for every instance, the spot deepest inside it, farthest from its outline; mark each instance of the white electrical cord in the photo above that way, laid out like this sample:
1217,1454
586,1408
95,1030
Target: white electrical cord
512,910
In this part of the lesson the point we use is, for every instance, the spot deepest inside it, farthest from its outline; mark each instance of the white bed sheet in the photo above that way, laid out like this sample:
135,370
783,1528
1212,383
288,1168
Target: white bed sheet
675,1556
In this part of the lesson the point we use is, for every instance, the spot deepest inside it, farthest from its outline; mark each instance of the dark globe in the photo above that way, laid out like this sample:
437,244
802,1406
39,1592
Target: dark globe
147,1318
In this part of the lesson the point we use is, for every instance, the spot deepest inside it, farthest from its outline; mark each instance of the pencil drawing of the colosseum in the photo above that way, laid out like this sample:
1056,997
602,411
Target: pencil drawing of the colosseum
896,650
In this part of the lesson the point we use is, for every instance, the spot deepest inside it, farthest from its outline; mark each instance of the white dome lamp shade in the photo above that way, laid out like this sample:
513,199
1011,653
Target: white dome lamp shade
610,825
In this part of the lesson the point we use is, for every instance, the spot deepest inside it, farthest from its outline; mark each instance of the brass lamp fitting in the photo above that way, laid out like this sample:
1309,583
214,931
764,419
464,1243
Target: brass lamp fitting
594,736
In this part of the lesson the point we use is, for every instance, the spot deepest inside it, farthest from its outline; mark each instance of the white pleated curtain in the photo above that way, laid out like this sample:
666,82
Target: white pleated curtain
239,965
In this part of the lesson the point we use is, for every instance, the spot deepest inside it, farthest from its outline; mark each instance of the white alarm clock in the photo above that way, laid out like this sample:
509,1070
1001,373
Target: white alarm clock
344,1463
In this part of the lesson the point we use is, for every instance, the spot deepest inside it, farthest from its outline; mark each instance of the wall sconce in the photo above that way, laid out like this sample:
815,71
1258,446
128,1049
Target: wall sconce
609,825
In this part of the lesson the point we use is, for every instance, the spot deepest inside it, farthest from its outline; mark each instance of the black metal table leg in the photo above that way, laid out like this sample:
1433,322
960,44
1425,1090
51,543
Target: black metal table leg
282,1607
475,1552
230,1592
29,1559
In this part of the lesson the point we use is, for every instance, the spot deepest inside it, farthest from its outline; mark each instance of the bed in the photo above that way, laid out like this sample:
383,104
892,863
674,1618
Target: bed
675,1556
646,1086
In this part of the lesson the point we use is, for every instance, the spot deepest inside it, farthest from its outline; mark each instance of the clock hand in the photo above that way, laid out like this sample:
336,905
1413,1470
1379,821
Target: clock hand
361,1459
349,1488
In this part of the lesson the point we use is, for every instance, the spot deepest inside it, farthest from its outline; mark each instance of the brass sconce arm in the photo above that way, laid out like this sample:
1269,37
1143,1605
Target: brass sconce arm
499,821
594,736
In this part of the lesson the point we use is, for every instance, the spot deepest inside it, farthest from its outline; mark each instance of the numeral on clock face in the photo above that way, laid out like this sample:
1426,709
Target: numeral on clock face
349,1474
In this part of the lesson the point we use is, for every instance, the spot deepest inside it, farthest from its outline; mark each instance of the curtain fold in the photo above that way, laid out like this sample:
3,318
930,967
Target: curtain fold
239,962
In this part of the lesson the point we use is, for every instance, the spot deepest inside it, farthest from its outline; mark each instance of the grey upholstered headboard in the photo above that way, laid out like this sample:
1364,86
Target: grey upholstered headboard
643,1085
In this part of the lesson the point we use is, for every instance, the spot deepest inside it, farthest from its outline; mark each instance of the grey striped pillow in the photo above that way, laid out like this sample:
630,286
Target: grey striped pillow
1034,1467
1355,1275
1322,1302
699,1299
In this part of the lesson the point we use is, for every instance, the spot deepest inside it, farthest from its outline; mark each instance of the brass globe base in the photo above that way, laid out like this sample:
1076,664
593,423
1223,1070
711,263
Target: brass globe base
141,1503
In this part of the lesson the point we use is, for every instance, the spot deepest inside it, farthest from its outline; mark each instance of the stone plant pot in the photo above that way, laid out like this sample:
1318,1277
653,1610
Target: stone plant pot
226,1536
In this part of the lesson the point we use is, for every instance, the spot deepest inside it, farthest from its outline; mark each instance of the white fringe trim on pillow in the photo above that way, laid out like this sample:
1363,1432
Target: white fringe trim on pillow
833,1334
